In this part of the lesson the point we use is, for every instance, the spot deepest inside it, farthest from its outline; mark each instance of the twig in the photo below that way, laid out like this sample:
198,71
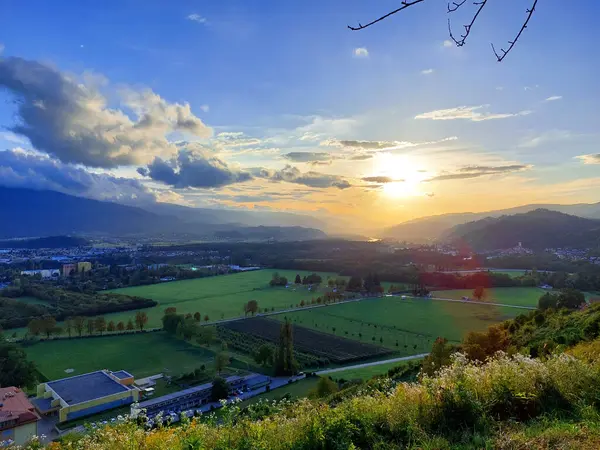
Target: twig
463,37
405,4
455,6
514,41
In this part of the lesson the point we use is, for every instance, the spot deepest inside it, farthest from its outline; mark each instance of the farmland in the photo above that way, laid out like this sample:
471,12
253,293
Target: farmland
364,373
336,349
519,296
140,354
408,326
220,297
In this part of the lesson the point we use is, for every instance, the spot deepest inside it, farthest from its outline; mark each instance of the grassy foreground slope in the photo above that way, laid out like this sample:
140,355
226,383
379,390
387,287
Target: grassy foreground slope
506,403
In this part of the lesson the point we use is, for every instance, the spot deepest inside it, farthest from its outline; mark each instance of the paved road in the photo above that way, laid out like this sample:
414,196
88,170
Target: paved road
376,363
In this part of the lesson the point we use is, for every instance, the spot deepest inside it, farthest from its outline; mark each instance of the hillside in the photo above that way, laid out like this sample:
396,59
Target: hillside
35,213
537,230
431,228
46,242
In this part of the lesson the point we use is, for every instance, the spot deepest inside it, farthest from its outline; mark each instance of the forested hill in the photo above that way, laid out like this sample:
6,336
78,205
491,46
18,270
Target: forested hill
46,242
537,230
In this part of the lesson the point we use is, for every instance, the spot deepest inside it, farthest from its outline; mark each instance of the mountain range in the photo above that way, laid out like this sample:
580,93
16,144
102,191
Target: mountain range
33,213
432,228
538,229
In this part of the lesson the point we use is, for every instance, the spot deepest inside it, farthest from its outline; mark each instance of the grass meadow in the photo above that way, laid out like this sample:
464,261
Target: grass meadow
518,296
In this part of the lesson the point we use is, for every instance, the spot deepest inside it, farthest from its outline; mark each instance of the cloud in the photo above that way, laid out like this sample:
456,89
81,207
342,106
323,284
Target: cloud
308,157
19,168
205,108
469,113
196,18
236,139
554,98
478,171
361,157
374,146
379,180
547,136
71,120
12,137
589,159
193,168
360,52
292,174
447,43
427,71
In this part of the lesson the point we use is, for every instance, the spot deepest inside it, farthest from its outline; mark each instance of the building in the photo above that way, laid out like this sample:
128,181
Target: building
87,394
69,269
18,419
84,266
44,273
196,396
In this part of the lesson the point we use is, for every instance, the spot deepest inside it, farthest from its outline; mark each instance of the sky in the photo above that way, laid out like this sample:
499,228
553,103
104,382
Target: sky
277,106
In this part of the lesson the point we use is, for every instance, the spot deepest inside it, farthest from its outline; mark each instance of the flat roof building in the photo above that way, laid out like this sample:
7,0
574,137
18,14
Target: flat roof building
86,394
18,419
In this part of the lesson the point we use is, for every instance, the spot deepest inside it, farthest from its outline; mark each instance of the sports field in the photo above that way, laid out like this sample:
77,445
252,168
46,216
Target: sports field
221,297
140,354
407,325
519,296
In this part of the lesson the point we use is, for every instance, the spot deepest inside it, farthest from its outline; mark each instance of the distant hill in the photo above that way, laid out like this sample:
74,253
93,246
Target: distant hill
431,228
33,213
46,242
536,229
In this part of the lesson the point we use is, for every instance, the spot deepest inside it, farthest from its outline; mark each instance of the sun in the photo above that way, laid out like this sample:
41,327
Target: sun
407,174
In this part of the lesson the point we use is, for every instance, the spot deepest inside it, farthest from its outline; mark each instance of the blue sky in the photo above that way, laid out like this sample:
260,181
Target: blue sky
309,108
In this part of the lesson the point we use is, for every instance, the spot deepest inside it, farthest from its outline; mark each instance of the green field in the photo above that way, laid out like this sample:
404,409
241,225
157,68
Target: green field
140,354
364,373
31,300
221,296
407,325
518,296
296,390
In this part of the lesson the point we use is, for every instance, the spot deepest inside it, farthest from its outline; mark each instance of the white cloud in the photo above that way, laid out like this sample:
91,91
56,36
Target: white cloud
554,98
361,52
427,71
204,108
589,159
11,137
197,18
547,136
447,44
499,88
472,113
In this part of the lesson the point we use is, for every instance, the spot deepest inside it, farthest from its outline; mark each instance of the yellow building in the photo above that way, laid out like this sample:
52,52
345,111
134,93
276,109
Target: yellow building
87,394
84,266
18,419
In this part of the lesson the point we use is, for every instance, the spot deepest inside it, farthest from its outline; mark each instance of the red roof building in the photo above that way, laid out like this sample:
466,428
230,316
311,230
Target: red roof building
18,419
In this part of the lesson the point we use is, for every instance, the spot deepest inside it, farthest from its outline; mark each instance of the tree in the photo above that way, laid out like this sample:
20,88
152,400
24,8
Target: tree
100,324
90,326
452,7
479,293
141,319
277,280
264,355
120,326
15,369
171,310
441,351
206,318
171,322
285,361
35,326
69,325
251,307
111,327
220,389
355,283
221,361
547,301
130,325
79,324
298,280
204,335
570,299
478,346
197,316
324,388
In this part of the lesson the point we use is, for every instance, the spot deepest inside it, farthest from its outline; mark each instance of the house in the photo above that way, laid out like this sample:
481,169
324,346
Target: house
18,419
86,394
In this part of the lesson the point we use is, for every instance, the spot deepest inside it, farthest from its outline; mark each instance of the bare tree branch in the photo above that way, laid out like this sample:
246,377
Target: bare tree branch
463,37
514,41
455,6
405,4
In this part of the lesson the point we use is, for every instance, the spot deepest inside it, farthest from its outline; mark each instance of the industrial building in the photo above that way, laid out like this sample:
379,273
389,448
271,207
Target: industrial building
87,394
196,396
69,269
18,419
84,266
44,273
